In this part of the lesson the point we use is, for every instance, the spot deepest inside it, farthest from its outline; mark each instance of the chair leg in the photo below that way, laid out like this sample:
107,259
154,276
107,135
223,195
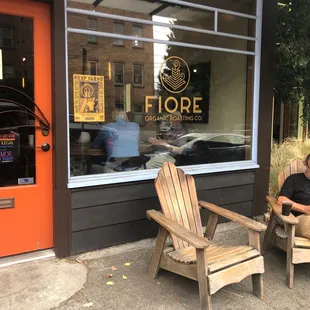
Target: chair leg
289,274
258,285
289,257
204,293
269,234
158,252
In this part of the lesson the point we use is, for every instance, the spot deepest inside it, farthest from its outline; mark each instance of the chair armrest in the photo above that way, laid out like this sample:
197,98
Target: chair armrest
277,210
178,230
235,217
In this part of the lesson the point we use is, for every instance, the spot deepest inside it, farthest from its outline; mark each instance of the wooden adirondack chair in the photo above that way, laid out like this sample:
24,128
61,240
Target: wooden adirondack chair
195,255
283,236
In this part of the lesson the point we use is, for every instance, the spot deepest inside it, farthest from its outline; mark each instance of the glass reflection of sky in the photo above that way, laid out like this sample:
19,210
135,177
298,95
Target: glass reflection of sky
160,33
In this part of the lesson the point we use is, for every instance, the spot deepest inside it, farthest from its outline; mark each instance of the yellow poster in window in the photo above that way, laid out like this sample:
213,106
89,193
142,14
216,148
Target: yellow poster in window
88,96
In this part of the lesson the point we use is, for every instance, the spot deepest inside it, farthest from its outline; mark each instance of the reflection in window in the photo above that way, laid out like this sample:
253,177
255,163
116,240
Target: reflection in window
93,68
137,31
8,71
138,108
120,106
92,25
138,75
118,28
118,74
6,37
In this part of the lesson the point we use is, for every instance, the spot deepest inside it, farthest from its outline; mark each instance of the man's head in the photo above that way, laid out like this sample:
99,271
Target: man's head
307,164
118,115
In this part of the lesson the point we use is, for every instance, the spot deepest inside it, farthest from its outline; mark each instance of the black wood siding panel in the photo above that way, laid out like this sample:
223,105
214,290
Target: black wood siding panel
116,213
102,237
228,195
244,208
112,215
88,197
104,215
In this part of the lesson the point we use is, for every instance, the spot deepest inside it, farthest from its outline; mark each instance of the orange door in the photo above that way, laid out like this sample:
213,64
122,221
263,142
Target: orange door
26,215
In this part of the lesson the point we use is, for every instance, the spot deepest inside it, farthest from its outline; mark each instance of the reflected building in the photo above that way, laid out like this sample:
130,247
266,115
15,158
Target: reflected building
127,65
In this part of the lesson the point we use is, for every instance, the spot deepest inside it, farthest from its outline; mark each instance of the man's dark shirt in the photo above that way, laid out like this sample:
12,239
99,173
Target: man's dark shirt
297,188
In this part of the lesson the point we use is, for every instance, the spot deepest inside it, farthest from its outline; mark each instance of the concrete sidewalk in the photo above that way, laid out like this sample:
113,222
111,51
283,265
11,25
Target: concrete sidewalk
81,283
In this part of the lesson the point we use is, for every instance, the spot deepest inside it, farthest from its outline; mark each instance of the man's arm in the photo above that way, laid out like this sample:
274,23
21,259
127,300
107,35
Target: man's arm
171,148
287,193
295,206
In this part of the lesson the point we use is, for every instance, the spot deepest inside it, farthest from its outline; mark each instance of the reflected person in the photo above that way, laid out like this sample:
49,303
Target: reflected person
120,140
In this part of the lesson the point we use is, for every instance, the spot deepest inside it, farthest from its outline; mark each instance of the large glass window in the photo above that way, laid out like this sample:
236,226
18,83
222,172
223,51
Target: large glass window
186,95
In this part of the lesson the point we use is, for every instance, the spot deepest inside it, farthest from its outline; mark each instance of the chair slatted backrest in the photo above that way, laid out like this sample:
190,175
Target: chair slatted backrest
178,198
296,166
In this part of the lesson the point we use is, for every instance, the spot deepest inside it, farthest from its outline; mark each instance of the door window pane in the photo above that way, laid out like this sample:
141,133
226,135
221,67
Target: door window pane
17,121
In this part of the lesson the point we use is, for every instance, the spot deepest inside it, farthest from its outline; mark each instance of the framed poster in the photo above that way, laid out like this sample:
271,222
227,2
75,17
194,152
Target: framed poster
88,96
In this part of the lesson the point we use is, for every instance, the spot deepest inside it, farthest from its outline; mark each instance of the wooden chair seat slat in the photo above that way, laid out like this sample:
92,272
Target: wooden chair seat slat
217,255
302,242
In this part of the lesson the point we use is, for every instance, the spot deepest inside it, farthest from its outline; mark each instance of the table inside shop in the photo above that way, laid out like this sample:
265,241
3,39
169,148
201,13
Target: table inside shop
87,153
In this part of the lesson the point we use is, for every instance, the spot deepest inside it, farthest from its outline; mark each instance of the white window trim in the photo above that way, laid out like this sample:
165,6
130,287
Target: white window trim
151,174
140,175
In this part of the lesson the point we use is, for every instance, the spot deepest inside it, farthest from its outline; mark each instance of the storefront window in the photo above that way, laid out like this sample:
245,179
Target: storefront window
170,83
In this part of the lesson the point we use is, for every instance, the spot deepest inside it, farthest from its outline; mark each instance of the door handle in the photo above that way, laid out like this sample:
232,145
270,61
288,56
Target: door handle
45,147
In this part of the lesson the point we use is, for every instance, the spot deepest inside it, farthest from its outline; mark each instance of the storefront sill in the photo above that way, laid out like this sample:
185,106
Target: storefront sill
142,175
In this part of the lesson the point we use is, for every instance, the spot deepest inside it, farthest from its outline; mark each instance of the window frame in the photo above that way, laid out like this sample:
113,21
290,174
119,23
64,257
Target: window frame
116,41
140,43
90,62
92,38
133,75
114,73
149,174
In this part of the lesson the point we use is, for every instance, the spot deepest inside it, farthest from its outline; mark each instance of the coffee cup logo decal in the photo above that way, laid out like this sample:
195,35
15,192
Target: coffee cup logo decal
175,74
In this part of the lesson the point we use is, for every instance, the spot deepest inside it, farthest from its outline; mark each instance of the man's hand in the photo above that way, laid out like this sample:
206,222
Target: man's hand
295,206
307,210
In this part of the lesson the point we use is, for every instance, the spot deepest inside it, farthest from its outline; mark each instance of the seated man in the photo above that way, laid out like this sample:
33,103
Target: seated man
296,190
